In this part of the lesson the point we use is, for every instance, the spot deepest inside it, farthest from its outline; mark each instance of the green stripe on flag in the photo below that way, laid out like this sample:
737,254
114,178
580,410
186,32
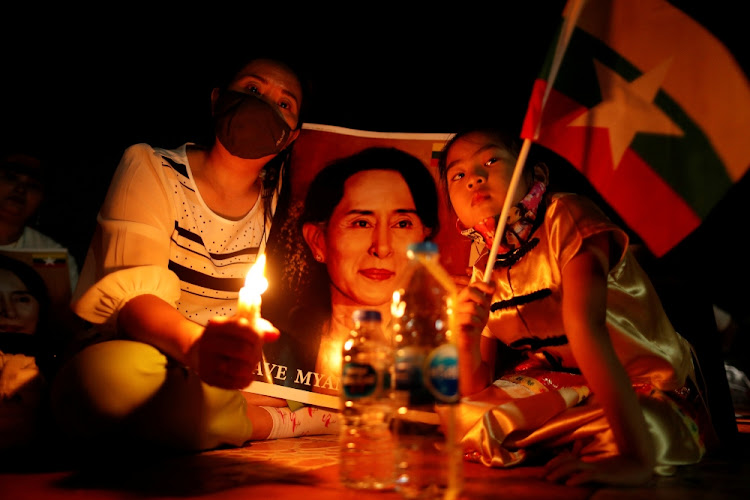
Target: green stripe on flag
689,164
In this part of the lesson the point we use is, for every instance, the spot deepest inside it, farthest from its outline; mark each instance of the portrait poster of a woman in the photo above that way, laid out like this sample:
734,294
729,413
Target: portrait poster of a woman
358,200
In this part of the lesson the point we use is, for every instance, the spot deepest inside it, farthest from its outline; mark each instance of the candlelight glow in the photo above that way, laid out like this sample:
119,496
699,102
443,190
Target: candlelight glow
255,284
330,355
249,302
398,307
255,281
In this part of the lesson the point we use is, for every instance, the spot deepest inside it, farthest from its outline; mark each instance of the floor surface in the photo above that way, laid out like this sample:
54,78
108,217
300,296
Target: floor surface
307,469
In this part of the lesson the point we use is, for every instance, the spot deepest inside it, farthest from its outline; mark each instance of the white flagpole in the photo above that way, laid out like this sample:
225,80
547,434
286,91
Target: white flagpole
506,208
573,8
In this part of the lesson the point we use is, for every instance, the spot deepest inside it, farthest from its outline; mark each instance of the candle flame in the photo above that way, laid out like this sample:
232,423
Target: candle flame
398,306
250,301
255,281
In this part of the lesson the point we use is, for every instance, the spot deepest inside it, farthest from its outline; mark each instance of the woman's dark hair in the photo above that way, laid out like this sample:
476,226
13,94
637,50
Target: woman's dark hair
228,66
505,139
327,188
299,275
276,173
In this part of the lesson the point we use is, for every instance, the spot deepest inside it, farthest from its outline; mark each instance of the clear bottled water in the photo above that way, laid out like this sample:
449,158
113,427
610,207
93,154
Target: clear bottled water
366,444
429,462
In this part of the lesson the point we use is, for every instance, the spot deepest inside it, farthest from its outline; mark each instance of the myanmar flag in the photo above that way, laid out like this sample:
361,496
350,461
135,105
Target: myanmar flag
650,107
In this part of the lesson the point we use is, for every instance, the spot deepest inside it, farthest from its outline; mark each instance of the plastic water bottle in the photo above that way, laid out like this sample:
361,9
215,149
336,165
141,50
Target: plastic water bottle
366,443
429,462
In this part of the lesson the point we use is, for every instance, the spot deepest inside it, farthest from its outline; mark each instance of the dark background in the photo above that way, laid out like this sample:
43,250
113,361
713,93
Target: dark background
82,85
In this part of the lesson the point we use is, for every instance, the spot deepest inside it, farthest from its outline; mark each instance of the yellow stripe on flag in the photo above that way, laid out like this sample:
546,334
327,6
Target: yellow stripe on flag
699,64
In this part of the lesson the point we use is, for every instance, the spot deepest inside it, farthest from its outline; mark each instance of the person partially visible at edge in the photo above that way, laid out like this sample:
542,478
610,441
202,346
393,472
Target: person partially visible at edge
27,351
179,229
23,187
360,214
606,386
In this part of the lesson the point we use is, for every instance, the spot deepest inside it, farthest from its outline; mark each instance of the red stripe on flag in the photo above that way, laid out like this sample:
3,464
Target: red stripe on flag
645,202
558,111
648,205
632,40
533,113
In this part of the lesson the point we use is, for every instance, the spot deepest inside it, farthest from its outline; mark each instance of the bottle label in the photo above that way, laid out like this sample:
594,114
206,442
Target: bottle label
441,373
408,373
358,380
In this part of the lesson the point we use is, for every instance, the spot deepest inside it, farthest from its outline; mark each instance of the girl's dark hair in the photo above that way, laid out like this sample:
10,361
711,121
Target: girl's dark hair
505,139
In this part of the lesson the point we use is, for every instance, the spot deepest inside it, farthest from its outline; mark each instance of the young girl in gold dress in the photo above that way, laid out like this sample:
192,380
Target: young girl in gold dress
598,380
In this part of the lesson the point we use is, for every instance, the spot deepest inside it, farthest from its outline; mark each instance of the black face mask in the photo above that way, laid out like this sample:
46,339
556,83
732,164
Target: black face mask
248,126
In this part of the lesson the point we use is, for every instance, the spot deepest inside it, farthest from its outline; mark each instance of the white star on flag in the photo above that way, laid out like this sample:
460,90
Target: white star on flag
627,108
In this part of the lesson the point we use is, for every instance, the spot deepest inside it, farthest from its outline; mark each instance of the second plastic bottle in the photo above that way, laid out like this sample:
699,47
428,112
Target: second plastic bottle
429,462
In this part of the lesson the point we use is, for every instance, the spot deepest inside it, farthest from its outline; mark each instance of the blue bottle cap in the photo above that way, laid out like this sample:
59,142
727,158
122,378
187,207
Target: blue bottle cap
424,247
366,315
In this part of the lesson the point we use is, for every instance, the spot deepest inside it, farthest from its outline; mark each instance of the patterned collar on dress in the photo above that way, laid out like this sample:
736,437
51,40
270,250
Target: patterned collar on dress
521,222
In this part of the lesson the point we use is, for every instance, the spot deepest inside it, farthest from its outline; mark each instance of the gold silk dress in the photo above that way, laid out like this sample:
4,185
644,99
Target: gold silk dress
542,403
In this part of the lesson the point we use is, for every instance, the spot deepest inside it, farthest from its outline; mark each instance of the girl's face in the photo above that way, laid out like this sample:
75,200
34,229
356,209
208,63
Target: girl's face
366,239
479,170
19,310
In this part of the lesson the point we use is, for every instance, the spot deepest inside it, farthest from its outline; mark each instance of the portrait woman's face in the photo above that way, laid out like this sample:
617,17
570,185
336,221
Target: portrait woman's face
19,310
364,245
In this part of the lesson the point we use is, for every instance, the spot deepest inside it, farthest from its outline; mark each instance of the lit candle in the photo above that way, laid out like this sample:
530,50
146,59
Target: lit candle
255,284
249,302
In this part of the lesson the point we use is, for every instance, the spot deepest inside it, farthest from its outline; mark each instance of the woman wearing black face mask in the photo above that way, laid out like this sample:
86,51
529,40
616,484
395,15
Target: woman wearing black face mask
176,235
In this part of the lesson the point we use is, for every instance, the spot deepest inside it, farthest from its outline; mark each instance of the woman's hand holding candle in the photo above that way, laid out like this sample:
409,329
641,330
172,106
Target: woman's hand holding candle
249,302
230,348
